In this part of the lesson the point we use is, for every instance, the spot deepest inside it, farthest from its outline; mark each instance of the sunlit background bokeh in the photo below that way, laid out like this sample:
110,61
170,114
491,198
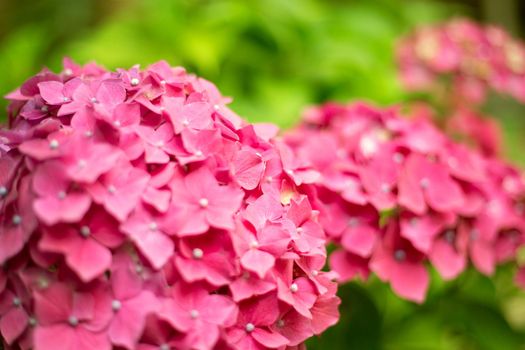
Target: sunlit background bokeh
274,57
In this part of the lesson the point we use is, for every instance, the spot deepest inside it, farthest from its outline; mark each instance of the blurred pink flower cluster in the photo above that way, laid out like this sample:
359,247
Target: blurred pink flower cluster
468,58
137,211
397,195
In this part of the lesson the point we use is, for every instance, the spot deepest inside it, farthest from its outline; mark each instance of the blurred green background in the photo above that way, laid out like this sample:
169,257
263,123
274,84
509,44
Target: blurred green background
275,57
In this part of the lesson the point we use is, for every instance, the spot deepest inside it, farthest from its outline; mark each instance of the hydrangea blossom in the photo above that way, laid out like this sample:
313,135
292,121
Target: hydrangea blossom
137,211
397,195
474,58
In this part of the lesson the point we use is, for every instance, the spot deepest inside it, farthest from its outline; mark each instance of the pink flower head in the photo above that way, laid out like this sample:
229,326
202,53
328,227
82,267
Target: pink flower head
137,211
397,193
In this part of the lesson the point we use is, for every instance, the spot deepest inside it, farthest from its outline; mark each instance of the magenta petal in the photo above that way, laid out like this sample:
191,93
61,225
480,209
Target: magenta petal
52,92
156,247
446,259
248,169
13,324
89,260
410,281
258,261
269,339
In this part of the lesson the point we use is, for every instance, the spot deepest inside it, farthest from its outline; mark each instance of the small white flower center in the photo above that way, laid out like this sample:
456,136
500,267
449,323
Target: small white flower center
353,222
117,123
81,164
85,231
88,133
112,189
280,323
17,219
62,195
134,81
93,100
203,202
185,122
254,244
3,191
385,188
153,226
216,107
53,144
66,99
424,183
44,109
163,82
160,144
400,255
450,236
199,154
17,301
194,314
294,288
197,253
249,327
73,321
164,347
398,158
299,230
116,305
289,172
32,321
315,272
68,71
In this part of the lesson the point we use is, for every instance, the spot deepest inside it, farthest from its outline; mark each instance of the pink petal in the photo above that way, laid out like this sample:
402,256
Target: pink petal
258,262
269,339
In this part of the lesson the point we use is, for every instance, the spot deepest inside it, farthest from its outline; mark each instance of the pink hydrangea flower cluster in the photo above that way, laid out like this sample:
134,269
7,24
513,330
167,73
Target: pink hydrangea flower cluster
137,211
471,59
397,195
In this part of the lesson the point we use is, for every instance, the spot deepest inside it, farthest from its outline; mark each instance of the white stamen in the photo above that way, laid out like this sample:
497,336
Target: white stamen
17,219
299,230
88,133
315,272
164,347
197,253
117,123
199,154
353,222
185,123
258,154
112,189
134,81
385,188
81,164
254,244
53,144
450,236
17,301
194,314
44,109
414,221
216,107
400,255
160,144
85,231
116,305
163,82
93,100
289,172
62,195
294,288
73,321
3,191
153,226
249,327
68,71
398,157
203,202
424,183
32,321
280,323
66,99
269,179
246,275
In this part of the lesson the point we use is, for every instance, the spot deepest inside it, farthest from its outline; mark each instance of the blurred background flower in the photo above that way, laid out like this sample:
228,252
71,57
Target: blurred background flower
275,57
